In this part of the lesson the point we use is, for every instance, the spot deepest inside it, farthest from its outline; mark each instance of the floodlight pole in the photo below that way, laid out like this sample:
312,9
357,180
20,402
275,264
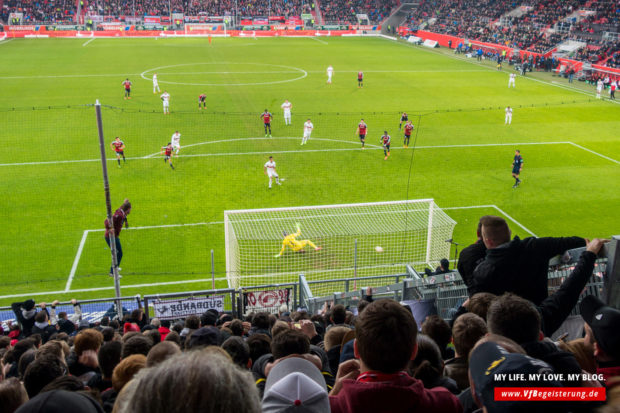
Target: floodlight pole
108,204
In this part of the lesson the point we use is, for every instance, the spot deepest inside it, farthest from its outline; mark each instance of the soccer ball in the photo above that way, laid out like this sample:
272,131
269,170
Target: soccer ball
378,249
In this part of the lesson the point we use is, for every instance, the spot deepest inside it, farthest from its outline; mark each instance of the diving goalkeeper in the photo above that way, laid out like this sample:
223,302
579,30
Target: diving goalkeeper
295,245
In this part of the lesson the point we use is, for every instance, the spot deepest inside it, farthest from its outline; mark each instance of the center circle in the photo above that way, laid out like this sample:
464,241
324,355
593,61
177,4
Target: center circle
245,70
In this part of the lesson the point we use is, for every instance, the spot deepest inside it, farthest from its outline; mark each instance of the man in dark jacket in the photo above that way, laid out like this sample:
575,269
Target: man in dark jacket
517,266
24,313
470,257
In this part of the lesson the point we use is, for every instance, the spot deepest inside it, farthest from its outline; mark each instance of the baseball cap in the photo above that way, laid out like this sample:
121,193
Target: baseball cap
490,359
295,384
205,336
604,321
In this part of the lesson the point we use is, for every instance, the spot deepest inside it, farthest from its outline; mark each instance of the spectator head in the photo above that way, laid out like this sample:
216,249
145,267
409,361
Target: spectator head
428,364
334,336
155,322
174,337
129,335
37,339
165,324
208,318
68,383
109,356
339,314
41,372
218,386
12,394
487,360
445,264
126,369
385,337
192,322
204,337
105,321
161,352
154,335
601,328
438,330
177,327
466,331
61,401
137,344
14,354
495,231
295,384
238,350
259,344
89,339
514,317
5,342
130,327
289,342
236,327
24,361
41,317
479,304
108,334
260,321
279,327
53,348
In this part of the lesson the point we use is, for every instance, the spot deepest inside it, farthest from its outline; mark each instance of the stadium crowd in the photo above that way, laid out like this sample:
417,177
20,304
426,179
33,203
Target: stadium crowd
380,360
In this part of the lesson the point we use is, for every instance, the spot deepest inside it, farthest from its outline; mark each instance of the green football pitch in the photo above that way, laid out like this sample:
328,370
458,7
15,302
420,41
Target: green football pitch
53,203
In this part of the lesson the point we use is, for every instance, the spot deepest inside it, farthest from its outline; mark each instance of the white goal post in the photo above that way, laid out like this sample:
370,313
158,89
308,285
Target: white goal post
367,239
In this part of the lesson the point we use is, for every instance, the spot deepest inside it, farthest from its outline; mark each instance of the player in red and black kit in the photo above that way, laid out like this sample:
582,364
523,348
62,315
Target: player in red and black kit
408,129
202,100
360,79
266,117
385,141
362,129
118,219
167,152
403,118
127,85
119,147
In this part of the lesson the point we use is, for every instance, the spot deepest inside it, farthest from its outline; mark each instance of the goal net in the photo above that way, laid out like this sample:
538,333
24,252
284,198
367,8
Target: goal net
353,239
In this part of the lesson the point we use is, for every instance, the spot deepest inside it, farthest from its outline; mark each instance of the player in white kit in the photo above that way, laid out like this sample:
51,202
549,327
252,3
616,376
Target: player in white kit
308,126
155,84
330,73
165,97
599,88
286,107
508,118
176,142
511,80
270,171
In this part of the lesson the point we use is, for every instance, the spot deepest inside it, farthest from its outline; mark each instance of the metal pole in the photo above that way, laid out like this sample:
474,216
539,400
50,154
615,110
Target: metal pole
108,204
355,266
212,272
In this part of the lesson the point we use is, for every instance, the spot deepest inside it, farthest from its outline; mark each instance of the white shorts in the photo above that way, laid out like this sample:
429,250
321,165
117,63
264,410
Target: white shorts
272,173
176,146
166,104
155,84
307,134
287,113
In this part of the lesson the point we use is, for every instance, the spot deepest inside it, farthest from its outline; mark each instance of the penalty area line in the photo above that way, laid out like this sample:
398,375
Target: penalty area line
76,260
88,41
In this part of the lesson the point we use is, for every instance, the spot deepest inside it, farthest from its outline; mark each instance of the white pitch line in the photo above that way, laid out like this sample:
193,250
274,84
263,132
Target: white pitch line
164,226
88,41
595,153
76,260
317,40
5,41
514,220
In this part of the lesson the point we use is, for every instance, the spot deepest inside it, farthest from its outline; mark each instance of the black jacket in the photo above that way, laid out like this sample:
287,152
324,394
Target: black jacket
521,266
456,369
560,361
469,259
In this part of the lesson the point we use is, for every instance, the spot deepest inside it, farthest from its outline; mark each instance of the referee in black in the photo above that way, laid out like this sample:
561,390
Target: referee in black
517,165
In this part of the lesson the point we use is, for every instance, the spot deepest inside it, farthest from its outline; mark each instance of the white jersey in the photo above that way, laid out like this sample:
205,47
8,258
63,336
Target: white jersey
599,85
286,106
271,169
176,139
155,80
508,111
330,71
513,76
165,97
308,126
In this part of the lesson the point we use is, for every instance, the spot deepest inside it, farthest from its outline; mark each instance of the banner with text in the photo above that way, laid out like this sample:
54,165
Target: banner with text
268,301
176,309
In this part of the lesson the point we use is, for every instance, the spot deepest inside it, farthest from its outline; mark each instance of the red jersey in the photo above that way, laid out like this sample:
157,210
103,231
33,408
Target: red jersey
266,117
118,146
127,84
360,75
168,150
118,219
202,97
408,129
385,139
362,128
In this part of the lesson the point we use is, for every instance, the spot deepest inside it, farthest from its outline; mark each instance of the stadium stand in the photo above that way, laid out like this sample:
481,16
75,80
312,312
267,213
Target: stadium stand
306,357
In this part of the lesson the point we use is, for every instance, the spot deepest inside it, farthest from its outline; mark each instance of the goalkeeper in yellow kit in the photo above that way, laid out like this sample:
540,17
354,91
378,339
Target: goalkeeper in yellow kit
295,245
